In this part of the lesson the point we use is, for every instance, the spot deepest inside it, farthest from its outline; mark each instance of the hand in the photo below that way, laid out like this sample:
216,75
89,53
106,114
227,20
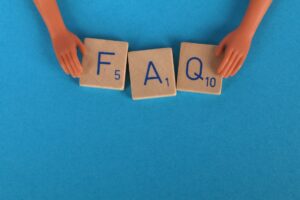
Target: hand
65,45
236,46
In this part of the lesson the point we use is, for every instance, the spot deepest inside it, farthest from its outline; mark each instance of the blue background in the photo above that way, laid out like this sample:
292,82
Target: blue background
60,141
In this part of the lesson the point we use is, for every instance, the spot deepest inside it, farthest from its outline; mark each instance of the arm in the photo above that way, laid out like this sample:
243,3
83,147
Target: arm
237,44
64,42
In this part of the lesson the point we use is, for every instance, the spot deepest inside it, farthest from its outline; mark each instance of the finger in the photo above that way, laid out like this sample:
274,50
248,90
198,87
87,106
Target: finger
80,45
63,65
66,64
76,61
73,66
225,64
228,54
220,48
69,67
232,67
76,67
239,66
228,64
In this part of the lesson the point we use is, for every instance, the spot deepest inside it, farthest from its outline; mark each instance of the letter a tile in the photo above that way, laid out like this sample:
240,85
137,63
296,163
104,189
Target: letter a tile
152,73
104,65
197,69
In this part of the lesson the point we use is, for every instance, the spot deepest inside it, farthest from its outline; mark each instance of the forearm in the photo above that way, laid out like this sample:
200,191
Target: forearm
51,15
254,15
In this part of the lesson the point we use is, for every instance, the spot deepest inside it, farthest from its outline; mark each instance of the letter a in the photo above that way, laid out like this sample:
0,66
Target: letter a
151,64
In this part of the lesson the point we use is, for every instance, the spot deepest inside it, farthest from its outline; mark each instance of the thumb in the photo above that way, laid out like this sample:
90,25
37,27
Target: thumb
220,48
80,45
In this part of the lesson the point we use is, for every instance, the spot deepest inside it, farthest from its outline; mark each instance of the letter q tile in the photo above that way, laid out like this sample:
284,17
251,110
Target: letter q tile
197,69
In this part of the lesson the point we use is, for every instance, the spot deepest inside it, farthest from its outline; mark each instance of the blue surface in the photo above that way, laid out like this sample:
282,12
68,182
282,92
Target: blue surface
60,141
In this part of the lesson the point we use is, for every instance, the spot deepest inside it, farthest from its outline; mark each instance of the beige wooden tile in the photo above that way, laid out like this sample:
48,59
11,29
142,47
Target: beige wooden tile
190,75
152,73
104,65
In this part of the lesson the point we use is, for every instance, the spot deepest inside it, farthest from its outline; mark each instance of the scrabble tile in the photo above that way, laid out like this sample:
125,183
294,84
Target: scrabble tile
104,65
152,73
197,69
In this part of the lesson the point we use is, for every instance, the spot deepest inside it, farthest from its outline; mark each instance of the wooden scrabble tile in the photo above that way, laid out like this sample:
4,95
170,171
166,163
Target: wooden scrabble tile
197,69
152,73
104,65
